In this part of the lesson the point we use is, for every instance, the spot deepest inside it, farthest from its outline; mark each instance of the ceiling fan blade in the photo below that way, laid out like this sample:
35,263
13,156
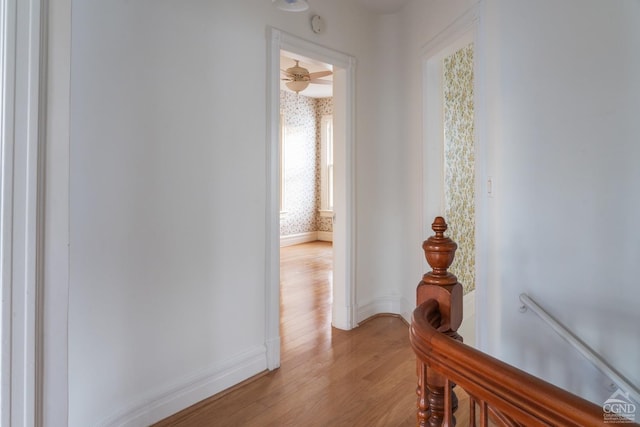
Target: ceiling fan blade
318,74
321,82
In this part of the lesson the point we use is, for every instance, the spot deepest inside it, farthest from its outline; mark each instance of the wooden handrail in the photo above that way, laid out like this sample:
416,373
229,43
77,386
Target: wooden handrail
511,396
520,397
581,347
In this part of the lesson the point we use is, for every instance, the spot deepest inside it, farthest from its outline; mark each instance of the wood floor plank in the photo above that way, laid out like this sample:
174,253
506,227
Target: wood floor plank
328,377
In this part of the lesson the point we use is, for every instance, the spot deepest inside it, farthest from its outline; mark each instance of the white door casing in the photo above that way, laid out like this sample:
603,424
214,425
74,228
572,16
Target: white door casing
464,30
343,315
22,93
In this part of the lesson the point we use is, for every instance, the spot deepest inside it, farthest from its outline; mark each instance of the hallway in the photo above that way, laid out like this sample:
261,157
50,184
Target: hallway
328,377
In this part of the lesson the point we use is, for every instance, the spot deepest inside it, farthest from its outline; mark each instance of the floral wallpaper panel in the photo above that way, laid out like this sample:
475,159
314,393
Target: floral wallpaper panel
459,161
301,165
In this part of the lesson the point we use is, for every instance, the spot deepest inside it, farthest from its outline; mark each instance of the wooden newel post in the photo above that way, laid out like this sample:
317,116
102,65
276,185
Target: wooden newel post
443,287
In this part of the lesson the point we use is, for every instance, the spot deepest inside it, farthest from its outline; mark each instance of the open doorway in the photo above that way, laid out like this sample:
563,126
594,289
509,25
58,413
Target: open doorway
454,158
306,150
343,228
306,202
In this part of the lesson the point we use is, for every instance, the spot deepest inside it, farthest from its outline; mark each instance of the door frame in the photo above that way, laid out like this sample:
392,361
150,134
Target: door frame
23,89
462,31
344,297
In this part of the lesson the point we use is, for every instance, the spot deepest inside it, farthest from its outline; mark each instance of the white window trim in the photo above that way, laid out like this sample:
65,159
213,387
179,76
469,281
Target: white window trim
326,135
283,192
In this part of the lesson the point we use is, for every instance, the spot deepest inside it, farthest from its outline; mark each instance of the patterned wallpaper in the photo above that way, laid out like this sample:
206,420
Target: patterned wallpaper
324,106
301,150
459,161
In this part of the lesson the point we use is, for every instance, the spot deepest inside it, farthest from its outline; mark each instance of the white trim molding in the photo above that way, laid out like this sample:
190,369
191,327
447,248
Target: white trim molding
23,74
163,403
273,201
445,38
392,304
311,236
296,239
55,384
325,236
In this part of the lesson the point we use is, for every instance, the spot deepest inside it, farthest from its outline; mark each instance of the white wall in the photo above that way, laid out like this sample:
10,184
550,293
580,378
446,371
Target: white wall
167,258
381,202
564,104
418,24
163,249
167,196
561,101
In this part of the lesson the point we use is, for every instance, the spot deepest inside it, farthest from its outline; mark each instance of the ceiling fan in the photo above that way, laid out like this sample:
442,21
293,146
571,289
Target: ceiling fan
298,78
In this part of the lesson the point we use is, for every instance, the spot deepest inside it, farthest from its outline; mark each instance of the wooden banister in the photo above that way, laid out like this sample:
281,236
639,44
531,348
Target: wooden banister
511,396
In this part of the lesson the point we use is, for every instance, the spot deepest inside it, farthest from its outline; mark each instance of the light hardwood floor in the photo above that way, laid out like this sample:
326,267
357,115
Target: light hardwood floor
328,377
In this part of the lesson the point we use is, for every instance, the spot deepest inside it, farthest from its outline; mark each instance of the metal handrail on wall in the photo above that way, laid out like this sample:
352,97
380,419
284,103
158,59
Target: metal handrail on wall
581,347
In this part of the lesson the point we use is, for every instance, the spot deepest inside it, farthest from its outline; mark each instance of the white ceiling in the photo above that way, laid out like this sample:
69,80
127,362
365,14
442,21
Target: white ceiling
383,6
313,90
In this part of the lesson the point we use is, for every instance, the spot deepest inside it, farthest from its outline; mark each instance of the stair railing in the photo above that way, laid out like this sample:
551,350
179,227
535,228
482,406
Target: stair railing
586,351
509,396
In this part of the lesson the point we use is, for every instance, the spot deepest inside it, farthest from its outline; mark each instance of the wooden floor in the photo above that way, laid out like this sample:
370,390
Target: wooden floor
328,377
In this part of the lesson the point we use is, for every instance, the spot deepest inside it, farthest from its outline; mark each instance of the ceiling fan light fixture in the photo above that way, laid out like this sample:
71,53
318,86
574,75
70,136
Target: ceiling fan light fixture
291,5
297,85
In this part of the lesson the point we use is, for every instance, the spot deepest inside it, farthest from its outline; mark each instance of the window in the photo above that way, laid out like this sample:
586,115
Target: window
326,165
283,138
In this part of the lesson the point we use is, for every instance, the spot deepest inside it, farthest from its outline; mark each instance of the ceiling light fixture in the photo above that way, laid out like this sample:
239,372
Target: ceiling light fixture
292,5
297,85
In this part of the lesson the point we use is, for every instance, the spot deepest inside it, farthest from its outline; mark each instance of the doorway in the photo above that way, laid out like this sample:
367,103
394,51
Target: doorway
306,151
343,306
306,202
453,155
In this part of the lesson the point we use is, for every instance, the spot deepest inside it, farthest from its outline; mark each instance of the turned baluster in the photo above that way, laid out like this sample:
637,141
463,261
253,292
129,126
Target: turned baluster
442,286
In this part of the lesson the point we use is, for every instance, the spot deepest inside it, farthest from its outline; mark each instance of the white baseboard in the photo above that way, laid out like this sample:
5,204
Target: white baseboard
310,236
296,239
273,353
325,236
163,403
384,304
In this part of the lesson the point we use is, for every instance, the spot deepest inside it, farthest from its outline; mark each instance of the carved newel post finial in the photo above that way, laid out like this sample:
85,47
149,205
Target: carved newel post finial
439,252
442,286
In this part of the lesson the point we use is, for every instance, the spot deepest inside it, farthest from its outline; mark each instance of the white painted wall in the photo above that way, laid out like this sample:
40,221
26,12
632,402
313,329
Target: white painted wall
381,202
564,139
562,97
167,196
167,193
